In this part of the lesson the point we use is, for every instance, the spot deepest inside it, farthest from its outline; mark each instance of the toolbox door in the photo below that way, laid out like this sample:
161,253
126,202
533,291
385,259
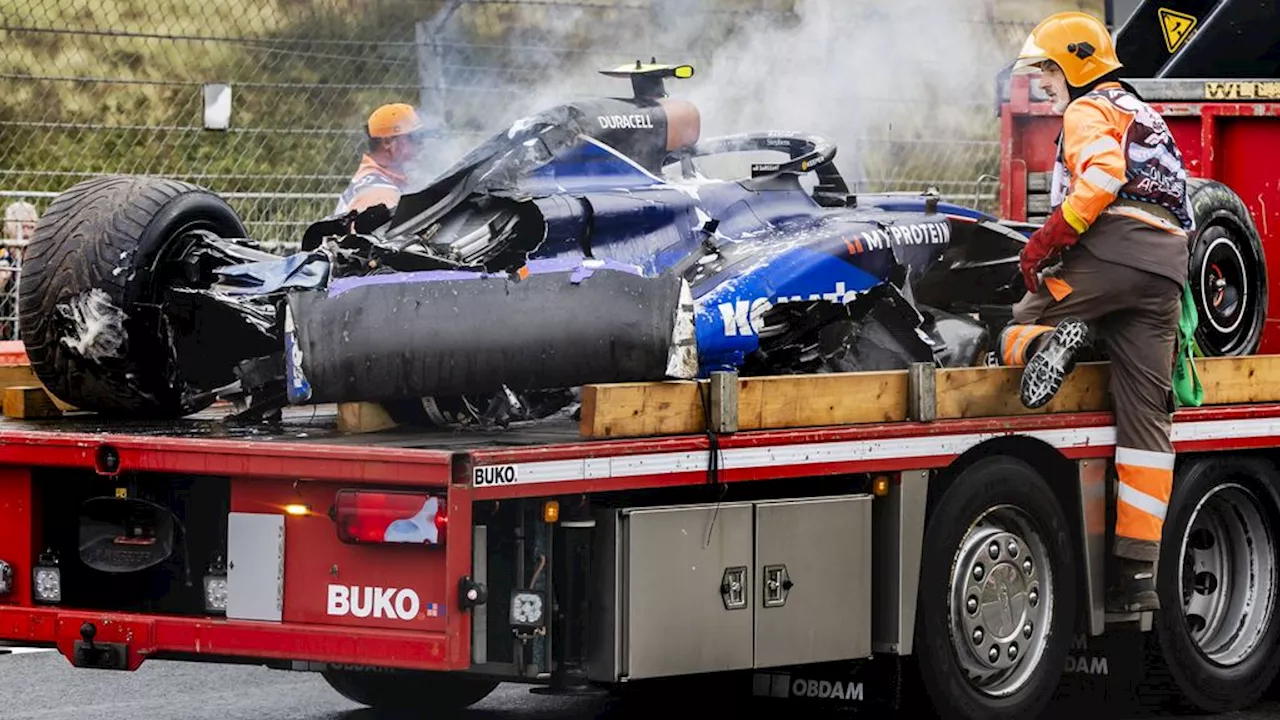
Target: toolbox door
813,581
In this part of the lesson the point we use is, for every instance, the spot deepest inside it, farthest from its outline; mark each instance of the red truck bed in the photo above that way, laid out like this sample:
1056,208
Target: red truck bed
307,462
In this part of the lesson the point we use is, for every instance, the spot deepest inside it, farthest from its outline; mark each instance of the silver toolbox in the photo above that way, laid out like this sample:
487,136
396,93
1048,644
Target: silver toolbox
707,588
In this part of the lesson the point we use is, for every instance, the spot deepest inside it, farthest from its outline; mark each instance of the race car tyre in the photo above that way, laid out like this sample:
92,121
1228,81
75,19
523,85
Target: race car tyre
429,695
1219,583
997,599
1227,271
88,276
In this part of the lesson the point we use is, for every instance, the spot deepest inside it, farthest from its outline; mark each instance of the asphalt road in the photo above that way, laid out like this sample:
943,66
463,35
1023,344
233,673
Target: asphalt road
43,686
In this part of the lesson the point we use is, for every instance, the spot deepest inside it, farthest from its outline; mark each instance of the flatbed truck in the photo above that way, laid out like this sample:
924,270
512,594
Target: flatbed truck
838,539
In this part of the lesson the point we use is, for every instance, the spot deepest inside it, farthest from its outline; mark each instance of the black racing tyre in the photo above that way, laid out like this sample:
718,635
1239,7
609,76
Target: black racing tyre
428,695
1227,271
997,597
1219,582
91,278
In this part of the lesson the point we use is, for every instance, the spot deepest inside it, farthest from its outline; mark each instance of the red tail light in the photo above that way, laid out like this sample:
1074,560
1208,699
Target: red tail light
366,516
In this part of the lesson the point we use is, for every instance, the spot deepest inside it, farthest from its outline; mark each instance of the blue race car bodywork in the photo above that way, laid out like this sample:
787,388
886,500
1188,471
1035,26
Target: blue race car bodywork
581,245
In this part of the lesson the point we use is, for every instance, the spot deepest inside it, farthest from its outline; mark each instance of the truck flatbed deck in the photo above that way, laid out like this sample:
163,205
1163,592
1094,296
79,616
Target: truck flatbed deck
305,425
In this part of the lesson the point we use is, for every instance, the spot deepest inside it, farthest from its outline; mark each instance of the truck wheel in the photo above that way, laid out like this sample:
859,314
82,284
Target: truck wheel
91,278
1228,271
1218,578
404,690
997,600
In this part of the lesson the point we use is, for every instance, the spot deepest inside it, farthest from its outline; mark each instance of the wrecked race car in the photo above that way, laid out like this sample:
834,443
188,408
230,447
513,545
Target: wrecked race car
580,245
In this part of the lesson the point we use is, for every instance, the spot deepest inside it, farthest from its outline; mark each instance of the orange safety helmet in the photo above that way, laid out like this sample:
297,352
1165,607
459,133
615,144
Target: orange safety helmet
393,120
1078,42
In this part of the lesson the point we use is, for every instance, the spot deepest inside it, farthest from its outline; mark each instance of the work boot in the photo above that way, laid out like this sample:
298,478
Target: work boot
1053,362
1133,586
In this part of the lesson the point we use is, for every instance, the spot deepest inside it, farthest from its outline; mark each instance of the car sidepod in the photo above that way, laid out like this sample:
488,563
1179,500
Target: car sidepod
841,269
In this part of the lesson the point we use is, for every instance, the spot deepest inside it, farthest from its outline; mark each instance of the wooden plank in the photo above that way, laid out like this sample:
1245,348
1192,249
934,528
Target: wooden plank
17,376
643,409
363,417
992,392
29,403
796,401
24,376
815,400
15,371
1236,380
673,408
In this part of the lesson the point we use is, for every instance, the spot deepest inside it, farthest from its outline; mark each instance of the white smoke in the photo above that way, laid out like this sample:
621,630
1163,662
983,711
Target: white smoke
880,77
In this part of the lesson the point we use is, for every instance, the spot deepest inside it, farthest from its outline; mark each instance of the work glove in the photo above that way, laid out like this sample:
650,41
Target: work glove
1046,244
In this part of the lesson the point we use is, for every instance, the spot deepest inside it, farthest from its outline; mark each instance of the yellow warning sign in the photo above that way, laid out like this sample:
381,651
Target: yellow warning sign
1176,27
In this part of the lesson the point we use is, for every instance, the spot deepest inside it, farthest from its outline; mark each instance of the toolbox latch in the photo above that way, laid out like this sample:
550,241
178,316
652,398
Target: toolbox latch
777,584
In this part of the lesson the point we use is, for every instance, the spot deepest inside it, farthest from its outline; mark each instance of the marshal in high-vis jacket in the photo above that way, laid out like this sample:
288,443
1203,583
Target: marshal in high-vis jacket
1116,156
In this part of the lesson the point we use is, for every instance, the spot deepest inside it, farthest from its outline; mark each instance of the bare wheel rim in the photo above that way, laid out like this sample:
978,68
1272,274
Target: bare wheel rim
1001,601
1228,578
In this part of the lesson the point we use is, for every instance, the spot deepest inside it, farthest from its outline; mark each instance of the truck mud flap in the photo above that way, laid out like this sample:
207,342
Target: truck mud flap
402,336
1110,671
867,687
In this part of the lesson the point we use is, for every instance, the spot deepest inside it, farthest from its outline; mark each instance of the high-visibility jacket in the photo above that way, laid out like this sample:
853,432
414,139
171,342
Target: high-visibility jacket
371,178
1116,155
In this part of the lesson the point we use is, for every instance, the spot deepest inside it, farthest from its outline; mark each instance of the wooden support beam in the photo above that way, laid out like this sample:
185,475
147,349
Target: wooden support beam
15,371
363,417
673,408
29,403
17,376
796,401
1237,380
992,392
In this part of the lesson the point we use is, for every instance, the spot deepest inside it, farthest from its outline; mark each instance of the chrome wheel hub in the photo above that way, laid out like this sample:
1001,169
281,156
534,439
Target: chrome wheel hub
1228,581
1001,601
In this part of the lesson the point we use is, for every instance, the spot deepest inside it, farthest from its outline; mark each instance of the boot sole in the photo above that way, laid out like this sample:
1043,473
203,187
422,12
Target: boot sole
1045,373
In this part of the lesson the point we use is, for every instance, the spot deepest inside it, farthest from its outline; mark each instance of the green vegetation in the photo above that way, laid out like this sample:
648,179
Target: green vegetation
116,85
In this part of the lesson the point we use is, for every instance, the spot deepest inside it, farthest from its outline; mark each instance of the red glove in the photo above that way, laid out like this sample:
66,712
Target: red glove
1056,235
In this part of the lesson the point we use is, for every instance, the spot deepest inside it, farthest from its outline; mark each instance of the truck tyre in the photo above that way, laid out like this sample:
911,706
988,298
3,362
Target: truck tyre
1218,579
997,599
427,694
88,276
1227,272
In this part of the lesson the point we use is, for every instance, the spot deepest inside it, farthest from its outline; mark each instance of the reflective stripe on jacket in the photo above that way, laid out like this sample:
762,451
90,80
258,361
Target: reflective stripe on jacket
1115,147
369,176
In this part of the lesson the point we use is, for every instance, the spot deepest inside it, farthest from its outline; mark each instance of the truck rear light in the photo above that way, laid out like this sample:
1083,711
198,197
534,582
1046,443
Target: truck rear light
215,588
46,579
364,516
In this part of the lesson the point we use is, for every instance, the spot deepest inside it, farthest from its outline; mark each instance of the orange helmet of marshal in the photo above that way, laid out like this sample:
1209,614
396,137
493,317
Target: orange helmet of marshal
1078,42
393,120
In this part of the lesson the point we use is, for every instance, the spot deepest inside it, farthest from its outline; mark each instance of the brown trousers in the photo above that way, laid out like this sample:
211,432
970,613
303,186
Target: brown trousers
1135,315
